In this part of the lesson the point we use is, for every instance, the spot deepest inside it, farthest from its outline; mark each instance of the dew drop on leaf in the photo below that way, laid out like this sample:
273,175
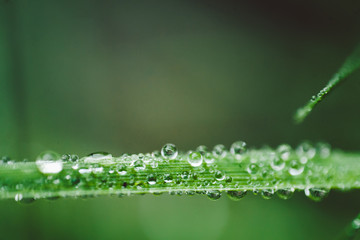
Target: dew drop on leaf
49,163
168,178
202,149
253,168
285,193
236,195
209,158
219,175
296,168
195,159
151,179
21,199
323,149
139,165
169,151
219,151
238,148
213,194
284,151
97,157
316,194
276,162
267,193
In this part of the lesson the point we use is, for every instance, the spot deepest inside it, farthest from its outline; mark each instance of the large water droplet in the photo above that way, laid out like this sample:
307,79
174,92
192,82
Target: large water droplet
195,159
285,193
236,195
219,151
238,148
296,168
49,163
213,194
169,151
316,194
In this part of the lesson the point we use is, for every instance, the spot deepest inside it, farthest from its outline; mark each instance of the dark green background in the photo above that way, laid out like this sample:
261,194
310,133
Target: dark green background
129,76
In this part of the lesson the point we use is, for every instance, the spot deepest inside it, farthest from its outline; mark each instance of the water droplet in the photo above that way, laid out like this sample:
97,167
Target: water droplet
202,149
209,158
213,194
169,151
276,162
285,193
306,149
316,194
296,168
284,151
195,159
151,179
313,98
121,169
97,157
236,195
253,168
356,223
219,151
65,157
267,193
74,158
21,199
323,149
147,159
219,175
168,178
154,163
68,157
228,179
238,148
139,165
5,159
156,154
49,163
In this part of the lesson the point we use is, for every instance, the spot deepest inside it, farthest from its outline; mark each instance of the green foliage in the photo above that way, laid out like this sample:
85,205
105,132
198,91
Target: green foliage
314,170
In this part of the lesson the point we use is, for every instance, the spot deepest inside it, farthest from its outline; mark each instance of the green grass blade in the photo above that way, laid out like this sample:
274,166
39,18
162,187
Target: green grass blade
351,64
352,231
314,170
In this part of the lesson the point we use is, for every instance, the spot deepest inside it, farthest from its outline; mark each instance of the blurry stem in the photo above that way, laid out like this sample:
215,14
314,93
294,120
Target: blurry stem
109,175
351,64
352,231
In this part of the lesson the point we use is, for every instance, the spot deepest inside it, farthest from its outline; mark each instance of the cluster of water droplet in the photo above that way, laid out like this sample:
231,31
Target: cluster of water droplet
235,171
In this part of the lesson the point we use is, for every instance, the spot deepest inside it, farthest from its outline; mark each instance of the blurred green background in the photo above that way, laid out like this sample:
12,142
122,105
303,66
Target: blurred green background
129,76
